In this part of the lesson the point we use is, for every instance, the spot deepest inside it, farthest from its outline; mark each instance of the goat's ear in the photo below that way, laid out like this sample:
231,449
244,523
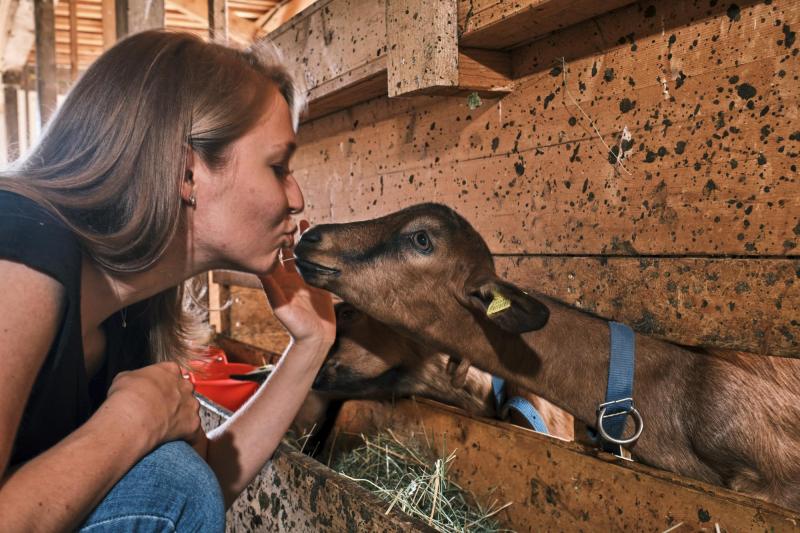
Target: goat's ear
507,306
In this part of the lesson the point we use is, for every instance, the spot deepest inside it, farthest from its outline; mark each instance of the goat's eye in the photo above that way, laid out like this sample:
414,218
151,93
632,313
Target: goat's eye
422,242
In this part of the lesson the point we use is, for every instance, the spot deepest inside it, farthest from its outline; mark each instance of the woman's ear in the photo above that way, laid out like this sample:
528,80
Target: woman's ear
187,184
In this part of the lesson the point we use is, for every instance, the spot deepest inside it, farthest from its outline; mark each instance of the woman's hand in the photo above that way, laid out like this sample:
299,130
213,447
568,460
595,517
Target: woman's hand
160,398
307,312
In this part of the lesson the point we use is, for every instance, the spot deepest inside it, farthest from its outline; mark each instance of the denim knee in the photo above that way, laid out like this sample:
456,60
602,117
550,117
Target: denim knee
170,489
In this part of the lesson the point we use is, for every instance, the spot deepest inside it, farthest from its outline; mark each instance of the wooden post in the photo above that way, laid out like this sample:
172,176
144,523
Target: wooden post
133,16
27,100
11,81
423,45
73,39
218,21
219,315
46,81
109,18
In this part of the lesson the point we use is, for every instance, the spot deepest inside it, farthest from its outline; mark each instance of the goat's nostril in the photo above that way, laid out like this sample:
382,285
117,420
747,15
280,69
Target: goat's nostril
312,236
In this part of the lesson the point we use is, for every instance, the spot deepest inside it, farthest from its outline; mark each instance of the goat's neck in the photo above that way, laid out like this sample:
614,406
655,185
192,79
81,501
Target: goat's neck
566,362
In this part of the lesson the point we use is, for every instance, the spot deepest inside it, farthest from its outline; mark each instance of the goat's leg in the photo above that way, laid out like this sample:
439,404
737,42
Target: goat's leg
458,371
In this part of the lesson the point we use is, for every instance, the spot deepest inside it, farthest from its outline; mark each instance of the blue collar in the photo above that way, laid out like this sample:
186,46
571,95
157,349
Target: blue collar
612,415
518,404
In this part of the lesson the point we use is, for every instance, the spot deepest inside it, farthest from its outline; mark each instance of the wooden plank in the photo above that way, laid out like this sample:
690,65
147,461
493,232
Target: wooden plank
423,45
218,21
47,83
240,352
109,23
231,277
497,25
748,305
557,485
134,16
296,493
11,117
549,203
73,39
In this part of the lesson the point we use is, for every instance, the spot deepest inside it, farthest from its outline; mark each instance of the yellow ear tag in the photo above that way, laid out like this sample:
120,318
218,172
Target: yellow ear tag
499,304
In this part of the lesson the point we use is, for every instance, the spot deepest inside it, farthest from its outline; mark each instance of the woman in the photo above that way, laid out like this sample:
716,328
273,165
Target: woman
168,158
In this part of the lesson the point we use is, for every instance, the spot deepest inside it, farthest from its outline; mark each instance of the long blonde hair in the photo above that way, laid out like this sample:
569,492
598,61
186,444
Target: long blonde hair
111,161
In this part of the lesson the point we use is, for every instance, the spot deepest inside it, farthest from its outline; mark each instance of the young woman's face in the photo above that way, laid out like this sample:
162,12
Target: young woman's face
243,211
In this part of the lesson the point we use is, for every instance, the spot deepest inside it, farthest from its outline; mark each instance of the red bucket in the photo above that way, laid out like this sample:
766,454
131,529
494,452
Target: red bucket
212,380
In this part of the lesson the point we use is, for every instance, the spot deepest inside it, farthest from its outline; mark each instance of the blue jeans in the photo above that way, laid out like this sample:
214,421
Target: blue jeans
170,489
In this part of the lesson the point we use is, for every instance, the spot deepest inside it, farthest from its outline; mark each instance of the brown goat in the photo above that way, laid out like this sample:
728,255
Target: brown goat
369,360
727,418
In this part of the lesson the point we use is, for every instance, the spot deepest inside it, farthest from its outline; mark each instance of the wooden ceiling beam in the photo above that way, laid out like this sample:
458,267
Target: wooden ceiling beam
239,30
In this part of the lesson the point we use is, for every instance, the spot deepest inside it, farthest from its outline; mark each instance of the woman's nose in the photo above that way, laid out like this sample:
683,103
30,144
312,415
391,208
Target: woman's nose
294,196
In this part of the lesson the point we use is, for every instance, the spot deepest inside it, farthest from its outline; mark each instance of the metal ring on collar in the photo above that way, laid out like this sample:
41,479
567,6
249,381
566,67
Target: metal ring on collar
637,420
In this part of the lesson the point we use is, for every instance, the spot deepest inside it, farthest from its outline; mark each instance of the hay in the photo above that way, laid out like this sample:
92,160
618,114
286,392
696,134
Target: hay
414,480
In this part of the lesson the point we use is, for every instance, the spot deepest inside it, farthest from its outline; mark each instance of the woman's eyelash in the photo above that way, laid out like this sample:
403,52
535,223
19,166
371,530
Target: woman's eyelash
281,170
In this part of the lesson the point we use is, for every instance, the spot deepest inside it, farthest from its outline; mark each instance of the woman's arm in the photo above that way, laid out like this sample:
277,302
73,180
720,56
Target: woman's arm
57,489
238,449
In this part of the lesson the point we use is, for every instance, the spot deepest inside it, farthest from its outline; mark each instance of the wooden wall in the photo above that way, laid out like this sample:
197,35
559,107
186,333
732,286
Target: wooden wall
644,168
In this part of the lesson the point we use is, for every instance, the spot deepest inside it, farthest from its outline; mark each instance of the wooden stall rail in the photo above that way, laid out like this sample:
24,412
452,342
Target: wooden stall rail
552,485
556,485
296,493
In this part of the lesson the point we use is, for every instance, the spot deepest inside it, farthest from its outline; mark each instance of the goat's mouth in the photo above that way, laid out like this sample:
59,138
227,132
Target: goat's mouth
310,268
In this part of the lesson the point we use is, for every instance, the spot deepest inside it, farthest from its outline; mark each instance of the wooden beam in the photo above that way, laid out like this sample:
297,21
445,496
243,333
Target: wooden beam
279,14
11,115
73,38
134,16
239,29
218,21
109,18
47,83
502,25
484,70
423,45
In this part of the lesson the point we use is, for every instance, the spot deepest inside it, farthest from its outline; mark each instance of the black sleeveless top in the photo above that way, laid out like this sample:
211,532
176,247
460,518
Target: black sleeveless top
62,397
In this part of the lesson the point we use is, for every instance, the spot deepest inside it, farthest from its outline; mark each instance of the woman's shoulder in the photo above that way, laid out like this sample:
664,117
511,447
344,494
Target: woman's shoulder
15,205
32,235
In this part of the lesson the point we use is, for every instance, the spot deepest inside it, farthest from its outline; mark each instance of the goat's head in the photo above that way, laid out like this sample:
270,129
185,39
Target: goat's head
368,360
423,271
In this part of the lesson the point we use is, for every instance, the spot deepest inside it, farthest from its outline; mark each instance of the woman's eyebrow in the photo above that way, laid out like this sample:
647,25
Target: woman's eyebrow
282,151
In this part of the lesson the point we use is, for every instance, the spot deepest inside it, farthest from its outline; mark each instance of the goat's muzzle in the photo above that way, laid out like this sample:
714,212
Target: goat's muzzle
305,254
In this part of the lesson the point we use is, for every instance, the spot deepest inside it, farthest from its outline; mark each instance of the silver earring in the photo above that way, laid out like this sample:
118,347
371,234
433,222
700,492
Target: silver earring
192,201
